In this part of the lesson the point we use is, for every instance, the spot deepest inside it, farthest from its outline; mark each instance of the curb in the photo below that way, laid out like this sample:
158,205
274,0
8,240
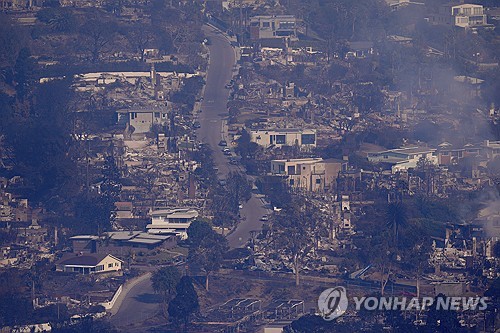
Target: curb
127,286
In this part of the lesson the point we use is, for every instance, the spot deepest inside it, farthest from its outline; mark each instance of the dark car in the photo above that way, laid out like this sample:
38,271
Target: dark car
196,124
223,143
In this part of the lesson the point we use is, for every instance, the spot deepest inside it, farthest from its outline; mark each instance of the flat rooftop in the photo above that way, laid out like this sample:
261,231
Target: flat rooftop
142,110
300,160
408,150
284,130
144,241
84,237
186,213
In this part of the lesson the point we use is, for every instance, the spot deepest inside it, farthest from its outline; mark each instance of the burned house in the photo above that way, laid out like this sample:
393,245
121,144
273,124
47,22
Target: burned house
141,121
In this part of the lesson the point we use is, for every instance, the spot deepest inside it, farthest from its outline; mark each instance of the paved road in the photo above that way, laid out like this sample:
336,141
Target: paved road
214,110
139,303
212,119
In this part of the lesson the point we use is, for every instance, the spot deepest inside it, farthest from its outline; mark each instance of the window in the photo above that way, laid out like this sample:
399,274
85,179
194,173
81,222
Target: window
318,181
133,115
308,139
445,153
157,114
287,25
280,139
110,265
291,170
266,24
292,182
164,115
117,264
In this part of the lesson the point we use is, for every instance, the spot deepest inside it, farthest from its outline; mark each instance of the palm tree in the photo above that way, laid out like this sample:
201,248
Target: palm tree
396,218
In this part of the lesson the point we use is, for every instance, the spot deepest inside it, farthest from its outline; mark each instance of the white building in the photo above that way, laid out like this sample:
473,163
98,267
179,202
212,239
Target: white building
304,138
491,149
310,174
273,26
466,16
142,120
172,221
404,158
89,263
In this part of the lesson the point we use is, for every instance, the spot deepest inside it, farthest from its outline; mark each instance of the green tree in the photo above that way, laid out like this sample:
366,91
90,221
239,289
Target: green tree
197,231
12,39
206,251
185,302
247,150
59,19
164,282
24,73
40,138
396,218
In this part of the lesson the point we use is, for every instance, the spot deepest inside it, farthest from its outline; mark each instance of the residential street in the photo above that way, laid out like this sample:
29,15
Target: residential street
135,304
139,302
222,62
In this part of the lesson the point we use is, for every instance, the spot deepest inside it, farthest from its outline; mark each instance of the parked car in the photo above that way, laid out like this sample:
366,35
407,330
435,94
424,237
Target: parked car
223,143
196,124
264,218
